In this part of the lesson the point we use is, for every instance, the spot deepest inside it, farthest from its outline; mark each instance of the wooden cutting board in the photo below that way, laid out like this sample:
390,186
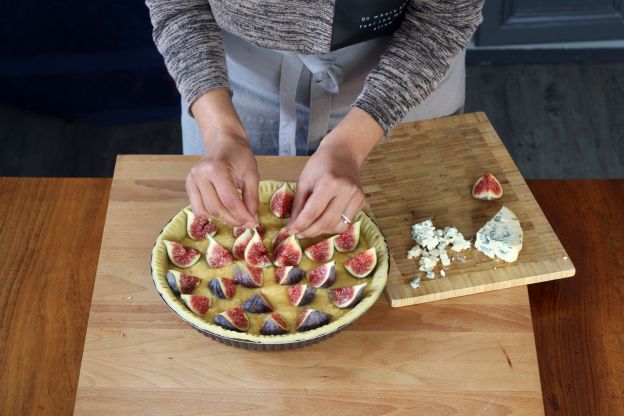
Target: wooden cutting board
426,170
470,355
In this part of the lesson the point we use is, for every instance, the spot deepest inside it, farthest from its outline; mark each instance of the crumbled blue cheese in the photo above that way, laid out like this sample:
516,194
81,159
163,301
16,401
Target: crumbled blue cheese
431,244
415,283
501,236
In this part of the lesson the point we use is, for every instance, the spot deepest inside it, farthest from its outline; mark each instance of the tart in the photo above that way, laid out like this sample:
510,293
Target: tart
249,301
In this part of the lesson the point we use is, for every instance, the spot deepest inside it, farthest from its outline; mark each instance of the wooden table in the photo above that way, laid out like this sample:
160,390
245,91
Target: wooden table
50,232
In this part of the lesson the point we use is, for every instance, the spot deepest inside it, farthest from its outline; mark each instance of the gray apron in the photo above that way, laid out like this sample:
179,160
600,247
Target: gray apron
288,101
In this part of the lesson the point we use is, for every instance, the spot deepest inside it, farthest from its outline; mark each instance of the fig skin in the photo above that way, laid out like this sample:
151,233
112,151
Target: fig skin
288,275
310,319
223,287
274,324
180,255
182,283
300,295
245,275
196,303
258,303
233,319
362,264
321,251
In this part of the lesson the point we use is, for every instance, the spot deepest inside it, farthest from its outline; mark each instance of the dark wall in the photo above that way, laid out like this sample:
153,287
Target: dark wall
87,60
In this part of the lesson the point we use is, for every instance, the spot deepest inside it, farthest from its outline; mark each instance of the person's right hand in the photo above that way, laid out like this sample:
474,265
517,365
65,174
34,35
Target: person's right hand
228,165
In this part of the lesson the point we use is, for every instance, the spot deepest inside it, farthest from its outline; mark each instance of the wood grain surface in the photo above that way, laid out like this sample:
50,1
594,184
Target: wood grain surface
470,355
50,233
579,322
426,171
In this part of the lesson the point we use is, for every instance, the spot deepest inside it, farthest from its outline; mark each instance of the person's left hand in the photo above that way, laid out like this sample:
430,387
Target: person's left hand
328,187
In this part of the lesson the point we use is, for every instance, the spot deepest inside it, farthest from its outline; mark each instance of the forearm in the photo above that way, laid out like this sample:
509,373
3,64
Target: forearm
356,135
216,117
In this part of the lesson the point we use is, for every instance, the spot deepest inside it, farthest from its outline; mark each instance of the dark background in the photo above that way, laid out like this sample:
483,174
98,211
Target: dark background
81,82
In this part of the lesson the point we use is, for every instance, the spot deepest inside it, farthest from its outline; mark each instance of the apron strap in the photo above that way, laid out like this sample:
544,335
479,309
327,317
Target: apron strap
289,78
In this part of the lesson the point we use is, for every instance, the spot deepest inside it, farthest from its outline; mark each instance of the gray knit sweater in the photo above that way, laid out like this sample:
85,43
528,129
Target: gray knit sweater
432,33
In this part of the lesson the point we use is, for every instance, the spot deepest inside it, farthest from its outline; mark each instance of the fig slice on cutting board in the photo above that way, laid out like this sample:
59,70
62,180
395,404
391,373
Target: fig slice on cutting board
487,188
247,276
346,297
182,283
234,319
323,276
288,275
180,255
349,239
199,227
281,202
196,303
256,253
300,295
287,253
217,256
310,319
321,251
274,324
362,264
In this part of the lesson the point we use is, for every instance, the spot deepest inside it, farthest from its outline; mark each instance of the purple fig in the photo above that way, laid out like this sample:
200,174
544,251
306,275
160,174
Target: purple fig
216,255
300,295
199,227
362,264
287,253
196,303
288,275
234,319
256,253
182,283
310,319
274,324
240,244
281,202
223,287
349,239
180,255
258,303
321,251
323,276
247,276
346,297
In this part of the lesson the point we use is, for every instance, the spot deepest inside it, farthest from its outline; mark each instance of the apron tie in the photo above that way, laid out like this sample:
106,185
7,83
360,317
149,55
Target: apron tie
326,80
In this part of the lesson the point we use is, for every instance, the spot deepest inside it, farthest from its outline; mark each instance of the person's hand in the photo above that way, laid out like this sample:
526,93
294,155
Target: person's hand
228,165
213,183
329,185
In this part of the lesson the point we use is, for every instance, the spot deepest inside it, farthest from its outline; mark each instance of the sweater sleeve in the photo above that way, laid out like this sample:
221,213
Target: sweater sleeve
420,53
187,36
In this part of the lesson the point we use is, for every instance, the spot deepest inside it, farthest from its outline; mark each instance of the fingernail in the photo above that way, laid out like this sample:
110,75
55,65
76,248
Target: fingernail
299,236
250,224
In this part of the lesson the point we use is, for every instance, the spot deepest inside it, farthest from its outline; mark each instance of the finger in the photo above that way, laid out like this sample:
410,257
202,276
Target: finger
312,210
213,204
197,204
250,194
301,195
230,199
328,221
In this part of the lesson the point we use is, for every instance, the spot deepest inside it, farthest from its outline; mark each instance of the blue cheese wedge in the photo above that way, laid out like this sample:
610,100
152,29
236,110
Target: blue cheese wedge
501,236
